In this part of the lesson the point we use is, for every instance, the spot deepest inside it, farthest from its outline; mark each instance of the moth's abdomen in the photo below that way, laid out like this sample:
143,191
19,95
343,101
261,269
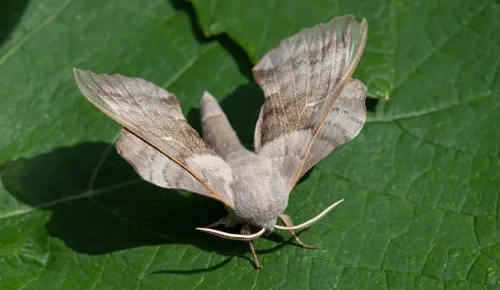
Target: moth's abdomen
217,131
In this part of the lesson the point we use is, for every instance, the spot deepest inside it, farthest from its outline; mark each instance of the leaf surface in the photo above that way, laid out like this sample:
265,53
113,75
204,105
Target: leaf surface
421,182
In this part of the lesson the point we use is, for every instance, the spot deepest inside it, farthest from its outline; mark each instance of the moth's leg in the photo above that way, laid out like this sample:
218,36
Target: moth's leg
287,221
245,230
216,224
224,221
216,128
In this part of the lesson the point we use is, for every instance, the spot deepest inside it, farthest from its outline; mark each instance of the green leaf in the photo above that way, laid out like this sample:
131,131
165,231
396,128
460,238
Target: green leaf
259,30
421,181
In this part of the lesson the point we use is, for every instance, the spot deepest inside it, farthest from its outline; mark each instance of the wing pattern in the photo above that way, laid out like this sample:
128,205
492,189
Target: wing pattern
311,104
157,130
154,166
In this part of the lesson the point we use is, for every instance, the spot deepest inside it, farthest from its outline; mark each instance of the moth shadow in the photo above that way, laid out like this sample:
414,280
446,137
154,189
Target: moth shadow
11,13
99,205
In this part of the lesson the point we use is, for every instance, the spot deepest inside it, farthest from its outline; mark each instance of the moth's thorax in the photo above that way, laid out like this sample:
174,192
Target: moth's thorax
259,192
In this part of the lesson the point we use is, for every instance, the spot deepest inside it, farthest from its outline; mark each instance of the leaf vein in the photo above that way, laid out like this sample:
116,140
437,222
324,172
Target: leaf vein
49,19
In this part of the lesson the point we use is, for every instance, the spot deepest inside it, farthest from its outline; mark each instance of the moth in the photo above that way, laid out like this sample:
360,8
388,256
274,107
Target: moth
312,106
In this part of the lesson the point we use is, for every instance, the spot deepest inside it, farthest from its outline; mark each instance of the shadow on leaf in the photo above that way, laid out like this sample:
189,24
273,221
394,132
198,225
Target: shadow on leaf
195,271
10,14
237,52
119,211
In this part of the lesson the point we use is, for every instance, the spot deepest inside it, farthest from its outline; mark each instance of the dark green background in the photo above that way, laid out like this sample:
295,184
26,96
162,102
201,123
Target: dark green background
421,181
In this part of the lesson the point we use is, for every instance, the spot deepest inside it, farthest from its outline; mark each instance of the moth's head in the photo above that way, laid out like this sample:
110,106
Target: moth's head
266,227
262,212
261,199
269,226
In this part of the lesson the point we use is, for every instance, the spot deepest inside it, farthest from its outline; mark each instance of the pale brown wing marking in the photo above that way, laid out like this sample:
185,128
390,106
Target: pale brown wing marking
154,115
277,112
215,170
257,133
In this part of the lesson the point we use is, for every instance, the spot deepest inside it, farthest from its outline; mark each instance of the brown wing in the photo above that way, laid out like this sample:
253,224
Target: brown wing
157,124
304,82
156,167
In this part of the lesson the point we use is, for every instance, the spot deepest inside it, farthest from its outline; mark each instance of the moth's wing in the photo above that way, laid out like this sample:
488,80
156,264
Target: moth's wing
154,116
311,104
154,166
344,122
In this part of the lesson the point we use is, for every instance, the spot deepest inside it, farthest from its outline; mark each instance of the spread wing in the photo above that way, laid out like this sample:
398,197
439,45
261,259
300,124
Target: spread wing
312,105
159,143
156,167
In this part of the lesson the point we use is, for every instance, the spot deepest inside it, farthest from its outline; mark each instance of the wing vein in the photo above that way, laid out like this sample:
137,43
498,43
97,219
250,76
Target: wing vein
343,81
112,96
289,61
277,83
185,167
334,54
306,102
132,97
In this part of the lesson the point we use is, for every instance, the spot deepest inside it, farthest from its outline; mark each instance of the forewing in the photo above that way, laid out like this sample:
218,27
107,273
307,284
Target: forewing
302,80
154,117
